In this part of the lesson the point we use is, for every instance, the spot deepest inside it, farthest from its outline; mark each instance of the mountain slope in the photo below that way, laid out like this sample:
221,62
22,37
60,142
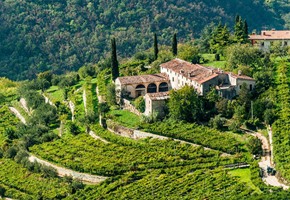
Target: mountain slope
65,34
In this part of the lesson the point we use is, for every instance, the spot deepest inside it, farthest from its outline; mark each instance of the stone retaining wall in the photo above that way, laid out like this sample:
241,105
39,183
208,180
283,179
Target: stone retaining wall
128,106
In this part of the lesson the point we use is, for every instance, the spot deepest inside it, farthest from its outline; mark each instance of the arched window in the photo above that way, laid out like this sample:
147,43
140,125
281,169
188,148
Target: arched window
163,87
140,90
152,88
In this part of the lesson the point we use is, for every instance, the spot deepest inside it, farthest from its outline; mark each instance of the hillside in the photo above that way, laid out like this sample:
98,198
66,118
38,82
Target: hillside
64,35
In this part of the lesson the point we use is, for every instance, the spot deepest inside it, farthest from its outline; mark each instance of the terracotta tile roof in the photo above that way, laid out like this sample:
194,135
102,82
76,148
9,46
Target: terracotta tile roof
272,35
244,77
161,77
191,71
158,95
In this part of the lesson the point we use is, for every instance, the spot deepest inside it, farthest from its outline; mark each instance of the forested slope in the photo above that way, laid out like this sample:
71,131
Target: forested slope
66,34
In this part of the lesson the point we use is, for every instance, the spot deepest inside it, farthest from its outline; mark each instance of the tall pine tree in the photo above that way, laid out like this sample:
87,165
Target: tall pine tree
155,47
174,44
114,61
241,30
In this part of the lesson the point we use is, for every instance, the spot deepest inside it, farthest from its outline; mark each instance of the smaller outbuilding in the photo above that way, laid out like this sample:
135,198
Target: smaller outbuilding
156,102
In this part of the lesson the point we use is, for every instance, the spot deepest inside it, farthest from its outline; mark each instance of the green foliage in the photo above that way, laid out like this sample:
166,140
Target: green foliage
139,103
255,146
174,44
225,108
281,127
223,141
125,118
173,183
155,47
104,108
111,94
74,128
242,55
27,185
72,34
114,60
241,31
85,154
184,104
217,122
86,71
220,38
189,53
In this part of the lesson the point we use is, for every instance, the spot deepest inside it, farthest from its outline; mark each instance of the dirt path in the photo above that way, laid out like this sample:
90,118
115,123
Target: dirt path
93,134
23,104
18,115
266,159
47,100
85,101
86,178
72,110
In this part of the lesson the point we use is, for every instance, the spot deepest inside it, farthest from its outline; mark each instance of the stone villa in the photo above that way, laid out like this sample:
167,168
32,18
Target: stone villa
266,39
176,74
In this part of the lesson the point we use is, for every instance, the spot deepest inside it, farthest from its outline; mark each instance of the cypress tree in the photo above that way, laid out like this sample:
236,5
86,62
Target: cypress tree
114,61
174,44
246,31
155,47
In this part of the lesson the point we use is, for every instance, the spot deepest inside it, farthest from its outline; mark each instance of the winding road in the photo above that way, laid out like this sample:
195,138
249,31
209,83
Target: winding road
266,158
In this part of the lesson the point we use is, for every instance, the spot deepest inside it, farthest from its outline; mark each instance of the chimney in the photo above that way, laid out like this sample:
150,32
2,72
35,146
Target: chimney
240,72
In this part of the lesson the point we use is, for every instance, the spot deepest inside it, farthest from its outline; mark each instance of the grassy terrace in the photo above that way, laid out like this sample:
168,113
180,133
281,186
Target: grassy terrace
54,93
125,118
212,62
244,176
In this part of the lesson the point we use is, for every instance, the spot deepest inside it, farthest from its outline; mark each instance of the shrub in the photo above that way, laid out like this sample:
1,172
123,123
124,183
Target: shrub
11,152
217,122
139,103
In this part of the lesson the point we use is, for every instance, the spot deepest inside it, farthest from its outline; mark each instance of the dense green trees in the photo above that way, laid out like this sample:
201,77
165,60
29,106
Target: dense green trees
241,31
184,104
63,36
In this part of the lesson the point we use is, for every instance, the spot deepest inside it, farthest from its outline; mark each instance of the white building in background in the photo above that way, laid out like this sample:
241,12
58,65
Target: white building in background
267,38
202,78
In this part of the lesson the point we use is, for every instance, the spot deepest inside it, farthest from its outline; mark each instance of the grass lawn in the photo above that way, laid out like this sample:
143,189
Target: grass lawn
244,175
216,64
125,118
212,62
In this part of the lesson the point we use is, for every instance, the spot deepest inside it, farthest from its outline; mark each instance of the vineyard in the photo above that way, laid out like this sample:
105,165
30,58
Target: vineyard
222,141
20,183
171,183
83,153
281,127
